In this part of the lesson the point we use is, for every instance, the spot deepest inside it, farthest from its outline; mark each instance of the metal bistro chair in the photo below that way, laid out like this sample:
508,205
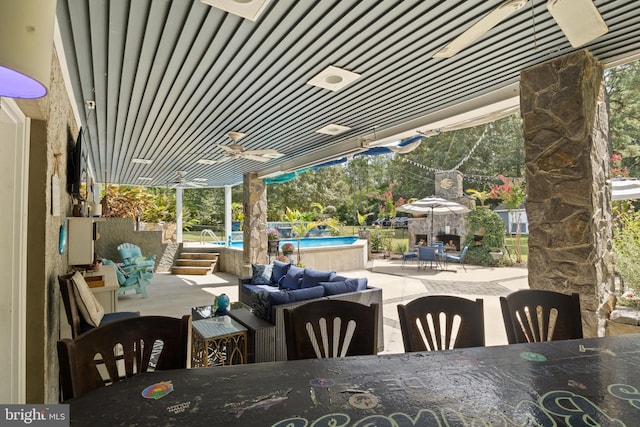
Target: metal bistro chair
331,328
459,259
441,322
122,349
535,315
408,257
427,254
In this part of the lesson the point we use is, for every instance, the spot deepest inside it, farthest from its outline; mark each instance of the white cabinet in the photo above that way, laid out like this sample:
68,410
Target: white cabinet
80,237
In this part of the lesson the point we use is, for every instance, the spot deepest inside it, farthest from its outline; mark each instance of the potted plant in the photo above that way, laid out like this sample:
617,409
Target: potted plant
273,240
287,249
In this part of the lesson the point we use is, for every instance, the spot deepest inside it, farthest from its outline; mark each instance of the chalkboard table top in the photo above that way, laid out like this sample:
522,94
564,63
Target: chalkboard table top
577,382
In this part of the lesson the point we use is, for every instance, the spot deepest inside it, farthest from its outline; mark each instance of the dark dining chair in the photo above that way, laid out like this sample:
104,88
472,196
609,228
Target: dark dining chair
535,315
70,300
122,349
331,328
441,322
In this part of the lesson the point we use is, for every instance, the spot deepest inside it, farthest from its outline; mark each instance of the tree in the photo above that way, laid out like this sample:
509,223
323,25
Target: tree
512,193
622,85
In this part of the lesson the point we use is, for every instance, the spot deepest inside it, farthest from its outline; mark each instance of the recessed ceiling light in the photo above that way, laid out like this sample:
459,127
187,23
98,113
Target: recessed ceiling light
333,78
248,9
144,178
142,161
206,162
333,129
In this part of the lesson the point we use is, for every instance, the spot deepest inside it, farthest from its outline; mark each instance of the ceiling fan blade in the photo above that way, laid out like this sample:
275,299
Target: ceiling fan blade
231,148
206,161
474,32
256,158
268,153
579,20
224,159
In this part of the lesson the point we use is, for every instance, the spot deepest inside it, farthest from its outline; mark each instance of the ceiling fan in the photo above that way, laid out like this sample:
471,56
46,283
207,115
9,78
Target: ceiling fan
237,151
181,181
579,20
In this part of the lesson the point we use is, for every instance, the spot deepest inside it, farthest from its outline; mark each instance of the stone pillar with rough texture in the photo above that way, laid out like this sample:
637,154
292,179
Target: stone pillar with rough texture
255,220
568,203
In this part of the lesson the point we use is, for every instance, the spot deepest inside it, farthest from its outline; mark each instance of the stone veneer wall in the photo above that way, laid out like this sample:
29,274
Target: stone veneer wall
52,125
255,221
566,156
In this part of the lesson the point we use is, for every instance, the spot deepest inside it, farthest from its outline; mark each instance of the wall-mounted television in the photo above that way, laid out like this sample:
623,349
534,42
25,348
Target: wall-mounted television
74,165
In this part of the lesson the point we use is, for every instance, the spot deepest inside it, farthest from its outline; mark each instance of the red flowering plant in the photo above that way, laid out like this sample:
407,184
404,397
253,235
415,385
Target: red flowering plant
617,170
512,193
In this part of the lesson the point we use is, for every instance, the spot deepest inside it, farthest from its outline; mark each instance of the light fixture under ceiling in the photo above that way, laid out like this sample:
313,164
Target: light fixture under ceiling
26,37
247,9
333,129
333,78
579,20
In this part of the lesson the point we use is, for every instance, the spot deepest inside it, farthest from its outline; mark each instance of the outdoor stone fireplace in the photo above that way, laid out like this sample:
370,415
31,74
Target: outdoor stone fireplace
450,229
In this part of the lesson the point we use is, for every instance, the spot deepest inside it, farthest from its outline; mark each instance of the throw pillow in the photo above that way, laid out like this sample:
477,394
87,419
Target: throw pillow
261,274
292,278
337,288
312,277
89,307
279,271
359,283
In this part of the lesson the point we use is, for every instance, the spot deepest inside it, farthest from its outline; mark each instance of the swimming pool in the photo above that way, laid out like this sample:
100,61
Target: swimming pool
312,242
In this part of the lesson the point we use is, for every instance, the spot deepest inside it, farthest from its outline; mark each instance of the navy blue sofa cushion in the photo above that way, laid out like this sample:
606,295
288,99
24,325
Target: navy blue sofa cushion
292,278
311,277
279,271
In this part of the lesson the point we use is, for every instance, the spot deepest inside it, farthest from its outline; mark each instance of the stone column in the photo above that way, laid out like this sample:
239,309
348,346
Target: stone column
255,220
566,155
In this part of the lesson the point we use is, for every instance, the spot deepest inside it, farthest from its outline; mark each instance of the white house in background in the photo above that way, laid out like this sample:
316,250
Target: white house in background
510,219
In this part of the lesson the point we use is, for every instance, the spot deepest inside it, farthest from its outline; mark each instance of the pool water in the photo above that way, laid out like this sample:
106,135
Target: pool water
312,242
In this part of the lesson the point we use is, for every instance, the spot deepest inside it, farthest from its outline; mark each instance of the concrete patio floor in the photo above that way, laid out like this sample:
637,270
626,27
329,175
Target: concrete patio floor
174,295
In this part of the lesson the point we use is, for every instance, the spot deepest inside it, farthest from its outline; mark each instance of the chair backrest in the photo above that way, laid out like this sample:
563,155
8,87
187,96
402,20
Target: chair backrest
426,254
535,315
441,322
70,304
463,253
122,349
129,252
331,328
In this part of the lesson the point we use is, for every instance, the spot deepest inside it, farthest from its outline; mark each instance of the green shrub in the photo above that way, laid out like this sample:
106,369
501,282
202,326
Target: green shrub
401,247
488,224
626,247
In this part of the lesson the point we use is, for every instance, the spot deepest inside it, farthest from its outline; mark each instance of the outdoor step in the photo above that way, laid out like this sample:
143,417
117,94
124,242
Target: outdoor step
206,263
194,271
199,255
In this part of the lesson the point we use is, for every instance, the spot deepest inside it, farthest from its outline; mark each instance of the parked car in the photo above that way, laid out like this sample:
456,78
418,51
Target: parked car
400,222
382,222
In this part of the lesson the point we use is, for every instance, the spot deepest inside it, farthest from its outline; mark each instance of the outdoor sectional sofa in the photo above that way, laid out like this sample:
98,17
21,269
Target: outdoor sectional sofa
277,286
